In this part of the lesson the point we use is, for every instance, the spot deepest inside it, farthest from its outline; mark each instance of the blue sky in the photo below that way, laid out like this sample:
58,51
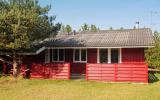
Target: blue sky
106,13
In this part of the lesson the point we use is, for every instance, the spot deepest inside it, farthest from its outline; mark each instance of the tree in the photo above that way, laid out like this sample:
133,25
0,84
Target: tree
111,28
152,55
121,28
62,28
85,27
68,29
93,28
21,23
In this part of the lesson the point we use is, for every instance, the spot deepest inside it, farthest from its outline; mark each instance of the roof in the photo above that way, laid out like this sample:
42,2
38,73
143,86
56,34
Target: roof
104,38
126,38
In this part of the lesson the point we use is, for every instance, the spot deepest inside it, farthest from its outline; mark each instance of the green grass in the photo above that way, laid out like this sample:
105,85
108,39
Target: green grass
76,90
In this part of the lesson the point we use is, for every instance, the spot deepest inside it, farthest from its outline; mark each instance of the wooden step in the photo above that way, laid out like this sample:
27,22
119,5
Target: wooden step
77,76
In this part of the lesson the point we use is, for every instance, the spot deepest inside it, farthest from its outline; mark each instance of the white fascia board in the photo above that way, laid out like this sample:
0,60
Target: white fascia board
40,50
102,47
37,52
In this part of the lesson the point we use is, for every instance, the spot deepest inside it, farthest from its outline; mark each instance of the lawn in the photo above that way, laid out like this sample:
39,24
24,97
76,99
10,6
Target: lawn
76,90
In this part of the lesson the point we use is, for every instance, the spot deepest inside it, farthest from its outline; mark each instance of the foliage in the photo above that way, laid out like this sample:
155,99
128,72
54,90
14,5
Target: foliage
86,27
66,28
111,28
24,21
152,55
121,28
62,28
93,28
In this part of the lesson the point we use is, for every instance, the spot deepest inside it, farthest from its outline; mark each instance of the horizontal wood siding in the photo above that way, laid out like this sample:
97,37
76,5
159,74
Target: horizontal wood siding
51,71
117,72
132,55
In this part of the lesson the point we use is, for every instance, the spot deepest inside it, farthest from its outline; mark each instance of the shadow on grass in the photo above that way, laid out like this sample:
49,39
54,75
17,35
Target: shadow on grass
152,78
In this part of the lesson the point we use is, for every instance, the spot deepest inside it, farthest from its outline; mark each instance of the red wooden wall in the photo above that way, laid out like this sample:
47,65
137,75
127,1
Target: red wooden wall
129,55
132,55
50,71
117,72
79,67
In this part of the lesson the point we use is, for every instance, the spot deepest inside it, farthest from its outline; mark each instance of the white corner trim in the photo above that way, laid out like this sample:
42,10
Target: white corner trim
98,55
120,55
109,55
47,56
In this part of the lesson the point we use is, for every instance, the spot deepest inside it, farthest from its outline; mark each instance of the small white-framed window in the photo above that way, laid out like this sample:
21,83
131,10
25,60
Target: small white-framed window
80,55
110,55
58,55
47,56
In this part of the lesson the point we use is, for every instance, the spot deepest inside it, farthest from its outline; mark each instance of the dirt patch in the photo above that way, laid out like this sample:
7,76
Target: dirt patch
4,81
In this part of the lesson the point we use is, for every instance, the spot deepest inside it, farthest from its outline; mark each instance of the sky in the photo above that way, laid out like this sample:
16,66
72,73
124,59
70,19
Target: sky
106,13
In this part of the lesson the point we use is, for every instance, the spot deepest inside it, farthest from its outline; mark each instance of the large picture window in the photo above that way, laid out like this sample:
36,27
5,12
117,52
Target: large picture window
114,55
80,55
103,55
109,56
58,55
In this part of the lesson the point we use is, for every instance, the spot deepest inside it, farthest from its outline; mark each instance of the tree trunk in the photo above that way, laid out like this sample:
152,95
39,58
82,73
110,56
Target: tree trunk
15,72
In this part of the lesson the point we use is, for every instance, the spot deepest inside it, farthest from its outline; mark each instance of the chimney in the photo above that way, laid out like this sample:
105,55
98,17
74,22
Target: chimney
74,32
137,25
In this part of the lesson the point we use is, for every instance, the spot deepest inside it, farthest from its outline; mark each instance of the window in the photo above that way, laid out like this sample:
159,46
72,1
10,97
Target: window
83,54
109,55
55,54
58,55
47,56
103,53
114,56
61,54
80,55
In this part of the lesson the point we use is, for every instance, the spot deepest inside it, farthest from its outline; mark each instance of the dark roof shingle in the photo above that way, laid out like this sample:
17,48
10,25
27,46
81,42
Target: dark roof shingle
105,38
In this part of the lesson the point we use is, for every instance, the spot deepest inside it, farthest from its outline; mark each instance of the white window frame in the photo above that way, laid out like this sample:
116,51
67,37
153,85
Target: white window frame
47,56
80,60
58,55
109,55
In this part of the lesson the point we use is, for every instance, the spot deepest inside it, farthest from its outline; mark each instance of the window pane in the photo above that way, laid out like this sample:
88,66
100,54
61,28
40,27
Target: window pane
77,53
83,55
61,54
47,59
103,53
55,54
114,56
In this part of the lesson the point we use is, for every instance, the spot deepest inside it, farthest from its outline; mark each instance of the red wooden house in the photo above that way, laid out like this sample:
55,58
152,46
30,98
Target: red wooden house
108,55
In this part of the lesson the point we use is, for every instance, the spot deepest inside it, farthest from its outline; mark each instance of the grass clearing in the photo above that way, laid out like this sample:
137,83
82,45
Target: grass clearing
76,90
